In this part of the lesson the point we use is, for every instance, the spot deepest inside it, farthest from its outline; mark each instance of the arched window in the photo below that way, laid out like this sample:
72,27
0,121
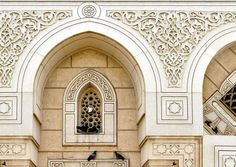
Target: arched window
89,110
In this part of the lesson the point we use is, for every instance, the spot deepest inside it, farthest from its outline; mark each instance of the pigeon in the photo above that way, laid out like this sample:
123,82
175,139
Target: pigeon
93,129
82,128
174,164
215,130
4,164
208,122
92,156
90,109
119,156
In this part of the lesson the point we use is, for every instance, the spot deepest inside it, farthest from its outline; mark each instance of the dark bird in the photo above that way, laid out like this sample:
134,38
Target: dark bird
119,156
215,130
92,156
82,128
208,122
93,129
174,164
4,164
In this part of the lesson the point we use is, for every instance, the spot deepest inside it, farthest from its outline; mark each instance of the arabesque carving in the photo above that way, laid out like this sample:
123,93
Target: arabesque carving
173,34
186,150
17,30
89,76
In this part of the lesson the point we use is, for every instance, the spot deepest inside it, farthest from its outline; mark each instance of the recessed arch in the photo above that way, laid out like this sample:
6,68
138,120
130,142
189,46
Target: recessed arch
132,54
212,44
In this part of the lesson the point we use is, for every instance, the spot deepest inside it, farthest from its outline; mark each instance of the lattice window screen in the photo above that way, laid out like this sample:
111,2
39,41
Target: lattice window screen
229,100
90,111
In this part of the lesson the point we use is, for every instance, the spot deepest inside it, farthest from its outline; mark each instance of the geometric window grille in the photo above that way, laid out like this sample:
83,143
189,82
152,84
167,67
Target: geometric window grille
90,111
229,100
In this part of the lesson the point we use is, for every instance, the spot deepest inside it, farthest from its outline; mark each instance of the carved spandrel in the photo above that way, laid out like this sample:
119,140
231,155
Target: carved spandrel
173,34
17,30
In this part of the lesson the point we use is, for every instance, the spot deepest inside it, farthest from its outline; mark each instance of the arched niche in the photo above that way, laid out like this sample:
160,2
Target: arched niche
218,93
71,136
131,52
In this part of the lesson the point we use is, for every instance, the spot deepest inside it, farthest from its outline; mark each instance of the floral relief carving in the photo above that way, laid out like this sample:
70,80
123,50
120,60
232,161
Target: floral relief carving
17,30
120,164
88,164
12,149
90,76
186,150
173,34
57,164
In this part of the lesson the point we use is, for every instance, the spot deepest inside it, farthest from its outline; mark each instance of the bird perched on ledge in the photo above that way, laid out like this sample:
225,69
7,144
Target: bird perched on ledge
92,156
119,156
174,164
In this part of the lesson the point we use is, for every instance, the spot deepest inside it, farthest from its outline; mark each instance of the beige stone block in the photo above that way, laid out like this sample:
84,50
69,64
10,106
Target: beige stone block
89,58
216,73
84,155
45,156
128,141
112,62
65,63
227,60
75,148
61,77
117,76
52,119
127,119
134,158
51,141
53,98
126,98
208,88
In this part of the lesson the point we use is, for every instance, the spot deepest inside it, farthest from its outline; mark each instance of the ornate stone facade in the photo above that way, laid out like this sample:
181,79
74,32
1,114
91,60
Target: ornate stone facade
173,35
18,29
130,73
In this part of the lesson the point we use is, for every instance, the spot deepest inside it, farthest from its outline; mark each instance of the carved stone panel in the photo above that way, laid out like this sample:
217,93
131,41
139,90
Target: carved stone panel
173,34
225,156
85,163
10,109
17,30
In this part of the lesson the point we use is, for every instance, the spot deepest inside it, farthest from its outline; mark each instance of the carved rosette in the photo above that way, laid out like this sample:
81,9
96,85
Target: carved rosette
173,35
17,30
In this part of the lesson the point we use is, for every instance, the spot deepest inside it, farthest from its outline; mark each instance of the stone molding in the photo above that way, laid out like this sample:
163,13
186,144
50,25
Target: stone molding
17,30
172,34
225,156
187,151
175,109
10,108
70,110
83,163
